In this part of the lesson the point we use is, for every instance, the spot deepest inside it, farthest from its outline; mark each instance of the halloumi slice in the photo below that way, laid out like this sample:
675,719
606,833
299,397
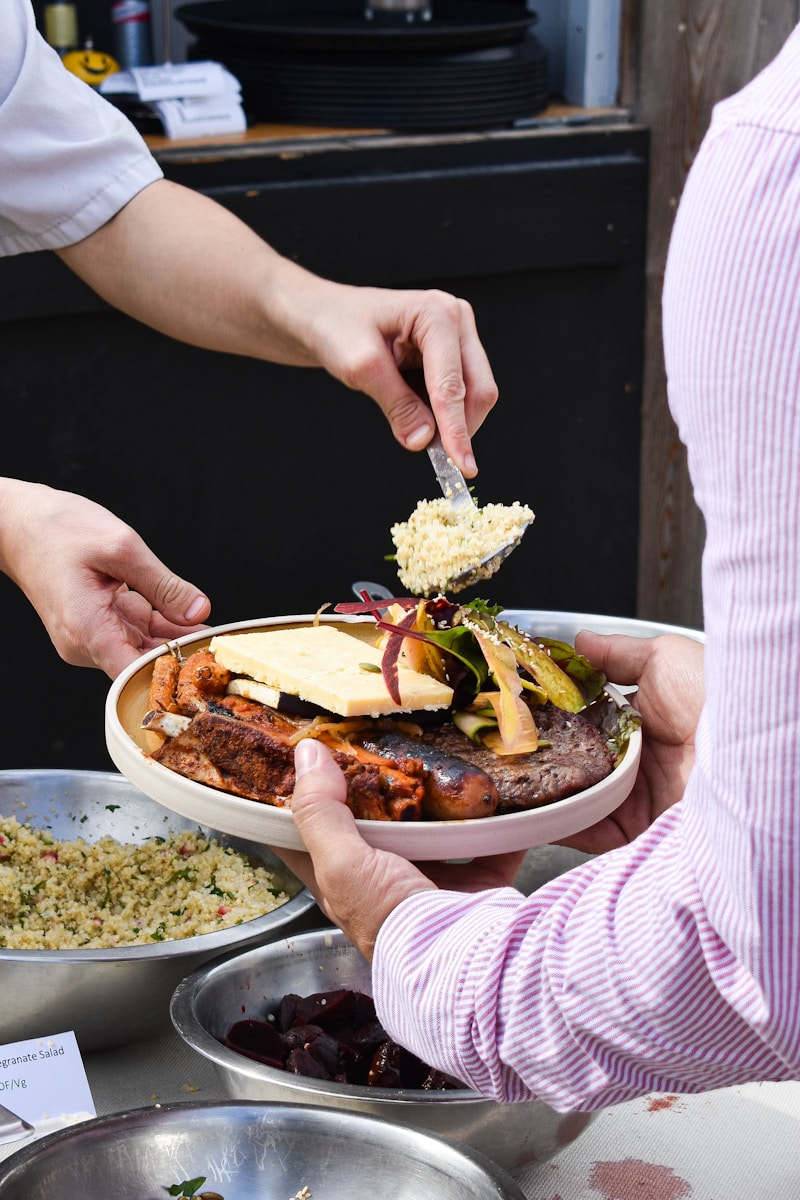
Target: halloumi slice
327,667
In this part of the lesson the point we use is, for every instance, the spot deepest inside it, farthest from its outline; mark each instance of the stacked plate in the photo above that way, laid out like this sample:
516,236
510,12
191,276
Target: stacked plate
472,66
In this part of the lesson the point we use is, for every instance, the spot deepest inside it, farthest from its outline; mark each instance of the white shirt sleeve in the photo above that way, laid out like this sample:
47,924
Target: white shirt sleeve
69,160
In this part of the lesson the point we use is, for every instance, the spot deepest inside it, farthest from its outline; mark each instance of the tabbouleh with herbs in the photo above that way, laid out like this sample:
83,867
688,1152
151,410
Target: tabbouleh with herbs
439,542
76,895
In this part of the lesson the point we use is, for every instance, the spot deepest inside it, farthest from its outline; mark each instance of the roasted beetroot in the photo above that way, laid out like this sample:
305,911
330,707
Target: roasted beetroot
333,1035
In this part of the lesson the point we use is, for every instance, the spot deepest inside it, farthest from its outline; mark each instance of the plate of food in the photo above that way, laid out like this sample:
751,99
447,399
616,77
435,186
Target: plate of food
459,734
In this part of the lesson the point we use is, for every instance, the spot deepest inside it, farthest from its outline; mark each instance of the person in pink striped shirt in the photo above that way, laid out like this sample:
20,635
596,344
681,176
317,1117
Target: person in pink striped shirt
672,961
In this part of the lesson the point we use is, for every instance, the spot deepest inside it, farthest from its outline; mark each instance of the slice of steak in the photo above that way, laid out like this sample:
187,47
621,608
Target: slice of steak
255,759
576,758
232,755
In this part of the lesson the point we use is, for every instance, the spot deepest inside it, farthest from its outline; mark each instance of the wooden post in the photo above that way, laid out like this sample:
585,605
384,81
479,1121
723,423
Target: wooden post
678,58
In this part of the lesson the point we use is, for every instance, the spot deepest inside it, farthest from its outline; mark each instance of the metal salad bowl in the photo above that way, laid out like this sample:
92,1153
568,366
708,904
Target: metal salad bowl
247,984
115,996
567,625
241,1151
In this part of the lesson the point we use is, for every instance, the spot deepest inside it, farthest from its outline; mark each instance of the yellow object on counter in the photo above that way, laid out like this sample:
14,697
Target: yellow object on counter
90,65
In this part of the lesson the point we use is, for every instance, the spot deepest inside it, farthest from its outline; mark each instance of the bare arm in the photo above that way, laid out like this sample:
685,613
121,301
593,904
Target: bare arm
102,595
177,261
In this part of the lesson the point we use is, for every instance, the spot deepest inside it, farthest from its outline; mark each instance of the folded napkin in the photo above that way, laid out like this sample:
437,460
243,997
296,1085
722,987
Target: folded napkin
191,100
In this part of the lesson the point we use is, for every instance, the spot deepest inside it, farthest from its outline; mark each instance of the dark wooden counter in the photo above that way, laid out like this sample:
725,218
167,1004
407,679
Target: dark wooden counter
275,488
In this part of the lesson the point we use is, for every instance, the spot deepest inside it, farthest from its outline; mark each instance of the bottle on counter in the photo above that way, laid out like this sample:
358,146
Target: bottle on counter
61,27
131,33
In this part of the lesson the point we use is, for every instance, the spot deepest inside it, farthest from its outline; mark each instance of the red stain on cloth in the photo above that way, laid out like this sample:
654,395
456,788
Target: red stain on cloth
632,1179
660,1103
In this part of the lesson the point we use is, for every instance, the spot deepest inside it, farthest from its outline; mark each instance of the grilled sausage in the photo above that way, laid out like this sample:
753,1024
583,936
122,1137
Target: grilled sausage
454,790
201,678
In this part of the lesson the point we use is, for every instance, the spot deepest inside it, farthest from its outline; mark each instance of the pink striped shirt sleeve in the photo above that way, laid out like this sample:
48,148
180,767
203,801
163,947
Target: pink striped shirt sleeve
672,964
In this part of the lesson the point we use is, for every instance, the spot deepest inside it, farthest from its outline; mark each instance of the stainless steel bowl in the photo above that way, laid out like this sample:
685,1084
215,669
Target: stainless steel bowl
112,997
249,1150
246,984
566,625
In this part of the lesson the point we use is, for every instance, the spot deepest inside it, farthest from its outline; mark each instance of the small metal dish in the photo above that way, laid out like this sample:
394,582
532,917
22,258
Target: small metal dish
248,984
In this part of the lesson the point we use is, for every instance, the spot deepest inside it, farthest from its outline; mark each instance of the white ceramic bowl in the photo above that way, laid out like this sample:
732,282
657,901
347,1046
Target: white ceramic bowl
567,625
130,746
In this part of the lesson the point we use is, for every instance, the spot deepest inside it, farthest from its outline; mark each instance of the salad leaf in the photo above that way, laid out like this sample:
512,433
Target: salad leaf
561,688
391,654
591,679
516,729
617,724
483,606
422,655
459,642
188,1188
475,725
367,605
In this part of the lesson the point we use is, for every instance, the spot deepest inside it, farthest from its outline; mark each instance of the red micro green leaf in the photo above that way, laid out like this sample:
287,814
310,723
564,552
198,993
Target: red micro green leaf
373,606
394,644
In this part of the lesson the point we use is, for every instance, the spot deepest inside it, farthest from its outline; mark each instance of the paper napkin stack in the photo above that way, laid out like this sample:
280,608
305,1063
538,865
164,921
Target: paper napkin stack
191,100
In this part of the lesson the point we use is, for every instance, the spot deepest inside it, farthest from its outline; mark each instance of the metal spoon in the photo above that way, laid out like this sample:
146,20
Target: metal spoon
451,481
12,1127
374,591
455,489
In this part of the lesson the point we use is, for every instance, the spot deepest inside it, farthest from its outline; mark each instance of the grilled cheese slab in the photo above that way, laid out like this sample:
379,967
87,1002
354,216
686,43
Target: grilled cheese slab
326,667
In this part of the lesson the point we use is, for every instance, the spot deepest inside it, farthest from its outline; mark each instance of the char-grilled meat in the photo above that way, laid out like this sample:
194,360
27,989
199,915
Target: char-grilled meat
236,749
455,790
242,747
577,758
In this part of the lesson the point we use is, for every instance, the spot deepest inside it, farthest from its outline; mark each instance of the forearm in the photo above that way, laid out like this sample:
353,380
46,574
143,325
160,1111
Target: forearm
177,261
20,502
181,263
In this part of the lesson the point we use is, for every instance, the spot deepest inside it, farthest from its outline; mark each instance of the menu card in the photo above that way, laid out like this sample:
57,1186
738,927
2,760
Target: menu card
43,1080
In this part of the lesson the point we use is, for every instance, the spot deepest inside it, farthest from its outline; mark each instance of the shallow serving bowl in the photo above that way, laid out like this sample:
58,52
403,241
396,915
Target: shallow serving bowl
245,985
111,997
130,748
244,1151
